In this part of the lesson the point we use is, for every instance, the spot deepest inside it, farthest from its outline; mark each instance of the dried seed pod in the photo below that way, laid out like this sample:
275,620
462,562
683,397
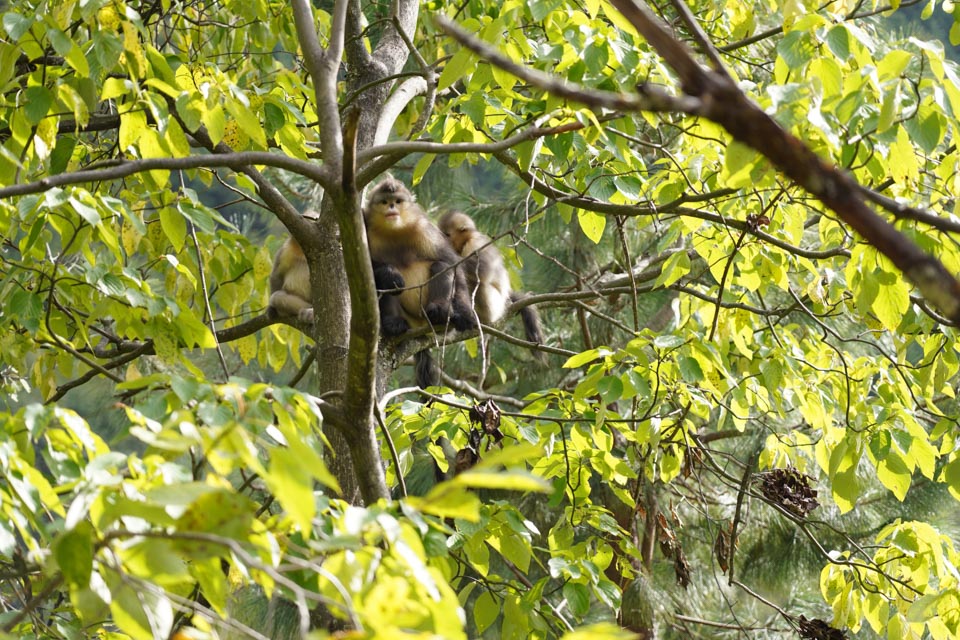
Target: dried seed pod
818,630
790,489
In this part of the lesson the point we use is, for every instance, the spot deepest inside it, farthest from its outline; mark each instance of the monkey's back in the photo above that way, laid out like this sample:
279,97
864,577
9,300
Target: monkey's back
290,270
487,277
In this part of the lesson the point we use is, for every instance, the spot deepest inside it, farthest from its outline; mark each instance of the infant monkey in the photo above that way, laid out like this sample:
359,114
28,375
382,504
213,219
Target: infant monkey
487,277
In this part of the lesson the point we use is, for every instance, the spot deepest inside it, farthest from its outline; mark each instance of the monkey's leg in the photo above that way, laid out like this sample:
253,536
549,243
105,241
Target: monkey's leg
285,304
446,298
392,322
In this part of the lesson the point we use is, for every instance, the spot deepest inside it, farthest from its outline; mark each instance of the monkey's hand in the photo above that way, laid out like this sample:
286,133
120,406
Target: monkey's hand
463,321
440,314
387,277
393,326
306,315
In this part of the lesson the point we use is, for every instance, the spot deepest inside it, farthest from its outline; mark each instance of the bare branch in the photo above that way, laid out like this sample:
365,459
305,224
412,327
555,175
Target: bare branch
635,210
394,106
323,67
698,34
236,161
905,212
406,148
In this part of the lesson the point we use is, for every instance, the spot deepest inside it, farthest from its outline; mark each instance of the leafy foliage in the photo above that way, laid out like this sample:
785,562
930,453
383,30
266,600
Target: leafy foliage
723,348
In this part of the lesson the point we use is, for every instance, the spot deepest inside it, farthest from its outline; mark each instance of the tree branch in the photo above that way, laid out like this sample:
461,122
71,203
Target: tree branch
235,161
443,148
650,98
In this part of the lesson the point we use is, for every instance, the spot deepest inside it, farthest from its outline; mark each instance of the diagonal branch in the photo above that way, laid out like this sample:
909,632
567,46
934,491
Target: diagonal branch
649,99
725,104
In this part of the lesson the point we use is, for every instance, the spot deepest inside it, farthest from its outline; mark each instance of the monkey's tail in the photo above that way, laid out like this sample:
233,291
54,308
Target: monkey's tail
427,372
531,326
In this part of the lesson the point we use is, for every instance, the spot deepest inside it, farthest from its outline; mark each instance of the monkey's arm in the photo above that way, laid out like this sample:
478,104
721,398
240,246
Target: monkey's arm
387,277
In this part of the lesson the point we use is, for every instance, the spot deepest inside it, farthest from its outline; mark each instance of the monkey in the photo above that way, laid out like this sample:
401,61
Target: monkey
290,284
410,254
408,250
486,274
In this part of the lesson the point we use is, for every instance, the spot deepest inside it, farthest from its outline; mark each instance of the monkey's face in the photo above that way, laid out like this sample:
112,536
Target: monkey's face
459,228
389,210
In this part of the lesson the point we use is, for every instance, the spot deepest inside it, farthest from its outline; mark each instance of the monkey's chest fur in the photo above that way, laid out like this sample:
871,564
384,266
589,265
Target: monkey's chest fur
412,250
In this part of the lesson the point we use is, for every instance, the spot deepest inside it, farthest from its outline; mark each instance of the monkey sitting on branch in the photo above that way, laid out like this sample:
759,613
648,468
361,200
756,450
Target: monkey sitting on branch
411,254
290,284
486,275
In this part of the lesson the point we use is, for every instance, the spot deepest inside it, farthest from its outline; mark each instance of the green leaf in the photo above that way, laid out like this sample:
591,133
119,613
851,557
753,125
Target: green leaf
141,613
892,302
586,357
592,224
174,226
460,67
577,597
517,454
485,611
107,47
73,551
220,512
514,548
674,268
512,480
66,47
62,153
610,389
420,169
85,211
16,25
843,475
600,631
449,501
894,474
213,582
292,484
797,49
37,103
951,475
888,108
690,369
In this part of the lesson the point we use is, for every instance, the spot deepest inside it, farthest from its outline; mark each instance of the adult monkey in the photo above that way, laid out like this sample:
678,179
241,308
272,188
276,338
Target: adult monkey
411,254
290,284
486,274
